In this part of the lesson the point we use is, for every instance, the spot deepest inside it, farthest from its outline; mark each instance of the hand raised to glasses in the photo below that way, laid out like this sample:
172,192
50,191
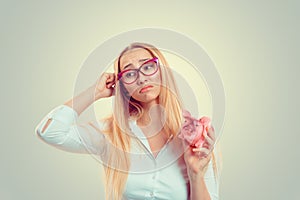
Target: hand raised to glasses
104,86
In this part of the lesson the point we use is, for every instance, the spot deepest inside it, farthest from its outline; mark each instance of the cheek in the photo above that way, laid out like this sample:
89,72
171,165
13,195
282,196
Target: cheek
131,88
158,77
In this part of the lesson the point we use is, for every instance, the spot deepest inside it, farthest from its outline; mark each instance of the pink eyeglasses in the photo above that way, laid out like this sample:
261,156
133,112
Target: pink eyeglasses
148,68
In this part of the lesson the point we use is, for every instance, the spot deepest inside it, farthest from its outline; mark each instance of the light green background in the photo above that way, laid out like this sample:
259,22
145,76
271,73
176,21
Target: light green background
254,44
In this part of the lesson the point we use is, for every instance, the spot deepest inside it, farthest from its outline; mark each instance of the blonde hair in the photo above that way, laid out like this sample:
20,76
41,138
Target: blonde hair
125,107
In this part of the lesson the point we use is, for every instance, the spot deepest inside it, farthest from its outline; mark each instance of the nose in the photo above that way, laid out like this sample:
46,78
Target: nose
141,79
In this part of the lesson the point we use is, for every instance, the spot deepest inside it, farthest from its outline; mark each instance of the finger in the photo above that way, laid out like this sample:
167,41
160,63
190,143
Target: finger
201,150
196,149
205,153
208,139
185,147
109,85
211,133
185,143
111,77
103,80
113,92
202,155
208,157
110,80
207,145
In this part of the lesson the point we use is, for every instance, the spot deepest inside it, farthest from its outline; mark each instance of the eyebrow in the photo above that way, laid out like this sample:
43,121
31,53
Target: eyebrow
141,60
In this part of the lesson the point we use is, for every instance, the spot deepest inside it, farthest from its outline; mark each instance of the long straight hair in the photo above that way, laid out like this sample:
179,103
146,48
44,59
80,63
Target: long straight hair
126,107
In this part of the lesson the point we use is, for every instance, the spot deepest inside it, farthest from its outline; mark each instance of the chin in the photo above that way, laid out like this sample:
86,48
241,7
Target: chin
146,97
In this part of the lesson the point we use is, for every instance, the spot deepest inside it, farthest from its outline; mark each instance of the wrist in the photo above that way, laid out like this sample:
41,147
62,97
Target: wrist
92,91
195,178
197,181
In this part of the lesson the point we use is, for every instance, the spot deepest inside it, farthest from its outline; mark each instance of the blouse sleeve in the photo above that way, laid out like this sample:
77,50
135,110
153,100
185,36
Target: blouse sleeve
64,133
212,182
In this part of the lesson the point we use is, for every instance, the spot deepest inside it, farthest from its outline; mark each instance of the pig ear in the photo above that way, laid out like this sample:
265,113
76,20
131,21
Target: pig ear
186,113
180,135
204,120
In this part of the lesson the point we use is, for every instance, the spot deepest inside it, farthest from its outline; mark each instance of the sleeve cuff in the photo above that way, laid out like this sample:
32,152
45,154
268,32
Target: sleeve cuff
64,114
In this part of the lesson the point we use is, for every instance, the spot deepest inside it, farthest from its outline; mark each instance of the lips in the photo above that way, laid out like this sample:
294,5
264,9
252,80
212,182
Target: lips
144,89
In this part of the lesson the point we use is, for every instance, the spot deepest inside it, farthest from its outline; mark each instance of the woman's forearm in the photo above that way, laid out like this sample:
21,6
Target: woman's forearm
82,101
199,190
79,103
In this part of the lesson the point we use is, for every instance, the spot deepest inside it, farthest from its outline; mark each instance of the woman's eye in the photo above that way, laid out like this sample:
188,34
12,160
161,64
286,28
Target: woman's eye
130,74
147,67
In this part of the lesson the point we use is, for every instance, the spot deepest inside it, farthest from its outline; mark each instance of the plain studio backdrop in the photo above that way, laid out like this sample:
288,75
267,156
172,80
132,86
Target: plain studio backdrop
254,45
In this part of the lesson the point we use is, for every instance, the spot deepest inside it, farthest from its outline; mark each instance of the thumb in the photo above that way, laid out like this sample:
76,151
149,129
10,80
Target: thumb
185,145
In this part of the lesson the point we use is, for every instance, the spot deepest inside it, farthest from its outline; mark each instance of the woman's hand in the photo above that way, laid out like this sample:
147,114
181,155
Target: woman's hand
197,159
104,87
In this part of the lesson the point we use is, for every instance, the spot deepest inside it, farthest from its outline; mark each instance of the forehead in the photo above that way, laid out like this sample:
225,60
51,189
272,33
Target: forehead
133,56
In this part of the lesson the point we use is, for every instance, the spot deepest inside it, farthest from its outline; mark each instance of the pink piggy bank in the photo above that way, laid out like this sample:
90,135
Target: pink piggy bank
193,129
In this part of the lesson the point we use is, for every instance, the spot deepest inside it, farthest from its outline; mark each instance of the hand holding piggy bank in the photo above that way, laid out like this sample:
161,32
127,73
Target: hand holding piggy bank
193,129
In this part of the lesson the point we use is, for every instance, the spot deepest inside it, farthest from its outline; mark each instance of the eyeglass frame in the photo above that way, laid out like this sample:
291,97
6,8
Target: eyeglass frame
155,59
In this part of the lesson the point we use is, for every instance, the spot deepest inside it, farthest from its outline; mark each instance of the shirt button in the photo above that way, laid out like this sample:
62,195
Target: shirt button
153,177
151,194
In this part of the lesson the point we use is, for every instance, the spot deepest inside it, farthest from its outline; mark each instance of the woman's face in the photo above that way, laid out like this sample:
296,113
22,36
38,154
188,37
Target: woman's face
145,89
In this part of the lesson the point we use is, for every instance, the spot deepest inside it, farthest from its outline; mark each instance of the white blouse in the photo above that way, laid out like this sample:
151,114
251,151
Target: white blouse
161,177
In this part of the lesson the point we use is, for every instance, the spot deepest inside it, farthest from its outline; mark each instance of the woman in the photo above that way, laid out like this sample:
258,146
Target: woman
144,159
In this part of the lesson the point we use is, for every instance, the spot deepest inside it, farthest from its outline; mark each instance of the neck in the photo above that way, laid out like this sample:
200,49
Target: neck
153,115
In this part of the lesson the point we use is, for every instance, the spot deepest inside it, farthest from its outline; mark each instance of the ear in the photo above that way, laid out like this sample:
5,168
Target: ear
186,113
205,120
180,135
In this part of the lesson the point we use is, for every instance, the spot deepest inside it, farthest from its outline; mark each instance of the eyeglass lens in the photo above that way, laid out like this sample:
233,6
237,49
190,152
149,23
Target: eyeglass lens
146,69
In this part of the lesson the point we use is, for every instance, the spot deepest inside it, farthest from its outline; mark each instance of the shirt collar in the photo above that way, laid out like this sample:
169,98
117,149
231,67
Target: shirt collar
137,131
